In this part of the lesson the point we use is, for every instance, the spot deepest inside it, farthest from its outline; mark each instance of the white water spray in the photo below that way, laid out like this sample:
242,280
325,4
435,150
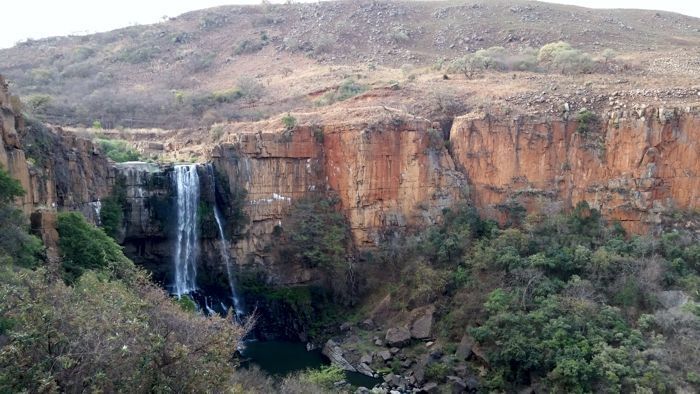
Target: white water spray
237,304
187,247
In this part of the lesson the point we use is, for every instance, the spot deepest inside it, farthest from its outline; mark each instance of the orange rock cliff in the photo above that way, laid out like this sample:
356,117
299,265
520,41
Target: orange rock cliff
392,170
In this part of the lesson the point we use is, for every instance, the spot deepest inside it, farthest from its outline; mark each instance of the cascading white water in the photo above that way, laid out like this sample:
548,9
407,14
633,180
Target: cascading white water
237,303
187,247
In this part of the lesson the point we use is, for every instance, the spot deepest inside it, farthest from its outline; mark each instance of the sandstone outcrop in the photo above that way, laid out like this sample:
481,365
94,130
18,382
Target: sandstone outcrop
57,169
382,164
632,165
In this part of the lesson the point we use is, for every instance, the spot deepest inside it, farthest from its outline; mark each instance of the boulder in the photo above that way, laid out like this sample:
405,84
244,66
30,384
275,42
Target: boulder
398,336
365,369
366,359
422,327
335,354
457,384
385,355
367,324
430,387
464,349
672,298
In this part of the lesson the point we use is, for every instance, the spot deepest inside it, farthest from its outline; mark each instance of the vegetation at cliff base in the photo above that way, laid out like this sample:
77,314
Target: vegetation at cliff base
565,302
17,246
85,247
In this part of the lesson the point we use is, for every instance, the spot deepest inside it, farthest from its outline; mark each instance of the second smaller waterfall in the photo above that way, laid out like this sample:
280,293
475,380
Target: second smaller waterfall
237,303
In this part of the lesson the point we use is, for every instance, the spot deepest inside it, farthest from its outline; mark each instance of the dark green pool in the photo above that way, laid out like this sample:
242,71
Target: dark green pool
283,357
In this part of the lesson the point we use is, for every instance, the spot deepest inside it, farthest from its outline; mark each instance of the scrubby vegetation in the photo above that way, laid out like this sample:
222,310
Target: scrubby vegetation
316,235
118,150
112,211
557,56
347,89
568,301
106,328
17,246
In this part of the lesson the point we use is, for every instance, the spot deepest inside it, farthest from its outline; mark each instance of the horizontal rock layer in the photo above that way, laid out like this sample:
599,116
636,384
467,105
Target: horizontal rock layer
632,166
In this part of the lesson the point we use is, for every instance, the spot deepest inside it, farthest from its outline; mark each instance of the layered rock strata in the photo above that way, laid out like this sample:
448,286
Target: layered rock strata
632,165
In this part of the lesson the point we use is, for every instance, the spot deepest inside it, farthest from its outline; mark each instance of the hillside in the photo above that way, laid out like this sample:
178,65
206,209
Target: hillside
250,62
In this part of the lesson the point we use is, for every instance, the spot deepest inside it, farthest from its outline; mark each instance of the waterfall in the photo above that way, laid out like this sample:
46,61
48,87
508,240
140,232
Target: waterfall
237,303
186,249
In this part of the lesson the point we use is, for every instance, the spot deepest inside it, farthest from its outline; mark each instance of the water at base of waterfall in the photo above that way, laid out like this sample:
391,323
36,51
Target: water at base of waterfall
284,357
187,242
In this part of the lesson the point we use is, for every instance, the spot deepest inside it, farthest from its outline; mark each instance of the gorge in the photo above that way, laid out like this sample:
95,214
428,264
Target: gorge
316,198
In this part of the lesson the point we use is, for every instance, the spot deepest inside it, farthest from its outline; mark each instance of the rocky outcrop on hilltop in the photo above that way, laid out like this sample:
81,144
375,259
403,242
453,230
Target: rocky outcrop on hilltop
632,165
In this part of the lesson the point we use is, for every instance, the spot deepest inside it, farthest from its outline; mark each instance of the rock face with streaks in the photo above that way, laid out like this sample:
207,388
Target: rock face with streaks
631,165
56,169
382,164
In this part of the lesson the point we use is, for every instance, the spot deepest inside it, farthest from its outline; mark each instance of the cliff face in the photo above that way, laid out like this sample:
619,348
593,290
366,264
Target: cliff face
390,171
382,164
56,169
632,166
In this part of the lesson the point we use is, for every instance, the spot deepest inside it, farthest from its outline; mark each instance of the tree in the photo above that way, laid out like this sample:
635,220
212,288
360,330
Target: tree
549,51
85,247
38,102
468,65
107,336
250,89
608,54
10,188
16,244
317,236
572,61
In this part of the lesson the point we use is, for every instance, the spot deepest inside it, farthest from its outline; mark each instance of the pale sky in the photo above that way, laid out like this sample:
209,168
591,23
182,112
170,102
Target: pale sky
22,19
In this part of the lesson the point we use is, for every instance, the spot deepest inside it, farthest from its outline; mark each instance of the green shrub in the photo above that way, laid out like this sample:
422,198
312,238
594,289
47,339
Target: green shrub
112,211
549,51
586,121
250,88
118,150
138,55
84,247
289,122
111,216
16,245
319,136
347,89
249,46
226,96
187,303
325,376
10,188
437,372
37,103
106,336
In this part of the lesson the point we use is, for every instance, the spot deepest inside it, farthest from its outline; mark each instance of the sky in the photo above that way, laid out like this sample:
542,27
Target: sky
35,19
